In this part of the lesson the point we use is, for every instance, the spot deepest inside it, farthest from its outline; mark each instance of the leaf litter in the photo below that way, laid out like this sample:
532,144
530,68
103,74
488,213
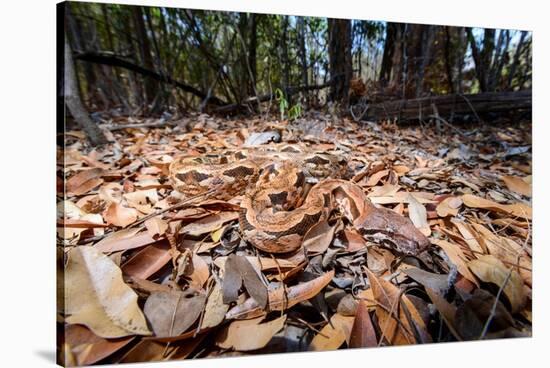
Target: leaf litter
184,284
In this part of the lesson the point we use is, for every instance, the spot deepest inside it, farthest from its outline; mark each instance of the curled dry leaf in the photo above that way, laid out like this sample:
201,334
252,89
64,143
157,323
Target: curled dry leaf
418,216
249,334
214,312
199,272
96,296
209,223
363,333
281,299
156,226
119,215
518,185
84,181
148,260
398,319
123,240
172,313
88,348
319,237
490,269
516,209
449,207
456,256
333,335
239,271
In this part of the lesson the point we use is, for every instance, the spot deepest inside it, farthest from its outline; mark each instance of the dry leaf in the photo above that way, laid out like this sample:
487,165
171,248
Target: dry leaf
96,296
156,226
172,313
319,237
123,240
119,215
281,299
249,334
456,256
84,181
518,185
334,334
363,333
209,223
449,207
490,269
418,216
214,312
517,209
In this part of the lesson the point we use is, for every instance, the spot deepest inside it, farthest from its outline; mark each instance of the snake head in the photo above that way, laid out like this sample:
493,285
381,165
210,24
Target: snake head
398,232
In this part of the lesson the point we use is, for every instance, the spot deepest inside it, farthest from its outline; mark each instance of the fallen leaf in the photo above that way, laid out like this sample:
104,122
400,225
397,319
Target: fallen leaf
172,313
333,334
319,237
518,185
89,348
517,209
156,226
282,298
84,181
148,260
209,223
490,269
123,240
250,334
96,296
449,207
239,265
119,215
456,256
363,334
215,309
418,216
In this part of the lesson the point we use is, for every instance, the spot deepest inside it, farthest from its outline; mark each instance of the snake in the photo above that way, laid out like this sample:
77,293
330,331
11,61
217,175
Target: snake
286,190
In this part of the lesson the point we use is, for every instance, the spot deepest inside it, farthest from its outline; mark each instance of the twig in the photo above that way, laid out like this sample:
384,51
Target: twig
494,308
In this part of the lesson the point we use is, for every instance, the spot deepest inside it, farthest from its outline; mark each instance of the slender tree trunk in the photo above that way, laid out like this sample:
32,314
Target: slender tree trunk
145,52
252,45
285,61
74,104
448,58
302,54
339,31
515,62
387,56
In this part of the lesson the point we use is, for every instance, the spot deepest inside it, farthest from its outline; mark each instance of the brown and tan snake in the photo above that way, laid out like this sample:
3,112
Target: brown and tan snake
286,190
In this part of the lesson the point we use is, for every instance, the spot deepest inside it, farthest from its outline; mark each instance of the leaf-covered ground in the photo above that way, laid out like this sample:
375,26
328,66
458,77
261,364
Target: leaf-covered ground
184,285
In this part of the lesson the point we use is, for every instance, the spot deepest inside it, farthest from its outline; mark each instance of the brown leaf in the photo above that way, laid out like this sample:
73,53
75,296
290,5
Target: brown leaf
253,284
123,240
209,223
363,334
418,216
148,260
518,185
249,334
96,296
516,209
446,310
394,318
172,313
456,256
489,269
449,207
156,226
89,348
215,309
84,181
334,334
199,272
319,237
281,299
119,215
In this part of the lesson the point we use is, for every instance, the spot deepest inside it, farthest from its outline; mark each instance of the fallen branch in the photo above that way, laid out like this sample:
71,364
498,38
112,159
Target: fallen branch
114,60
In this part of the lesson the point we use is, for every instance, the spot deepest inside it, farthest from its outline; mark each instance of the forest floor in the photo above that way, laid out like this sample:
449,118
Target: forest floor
154,290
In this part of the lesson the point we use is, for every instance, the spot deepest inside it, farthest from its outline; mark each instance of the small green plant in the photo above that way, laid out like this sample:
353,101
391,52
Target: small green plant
293,113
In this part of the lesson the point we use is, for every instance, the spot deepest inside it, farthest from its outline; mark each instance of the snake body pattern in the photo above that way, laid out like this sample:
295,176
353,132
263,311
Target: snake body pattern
288,189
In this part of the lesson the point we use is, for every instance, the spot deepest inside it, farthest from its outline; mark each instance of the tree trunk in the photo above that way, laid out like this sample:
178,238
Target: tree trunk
284,56
339,48
145,52
387,56
302,54
515,62
252,44
74,104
